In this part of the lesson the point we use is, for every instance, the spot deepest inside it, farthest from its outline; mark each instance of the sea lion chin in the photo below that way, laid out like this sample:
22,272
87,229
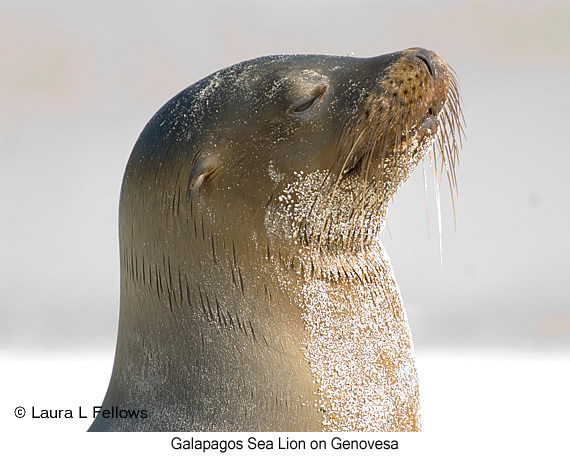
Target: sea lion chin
255,293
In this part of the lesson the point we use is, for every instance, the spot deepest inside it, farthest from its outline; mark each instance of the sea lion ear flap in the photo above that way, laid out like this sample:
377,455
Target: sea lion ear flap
204,168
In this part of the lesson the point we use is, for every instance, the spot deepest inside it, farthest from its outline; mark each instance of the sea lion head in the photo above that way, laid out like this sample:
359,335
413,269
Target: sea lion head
309,148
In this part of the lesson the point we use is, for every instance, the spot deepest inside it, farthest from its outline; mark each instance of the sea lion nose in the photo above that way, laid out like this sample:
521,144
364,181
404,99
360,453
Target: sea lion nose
423,55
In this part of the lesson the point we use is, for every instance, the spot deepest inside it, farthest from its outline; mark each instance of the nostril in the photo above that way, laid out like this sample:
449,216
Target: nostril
423,55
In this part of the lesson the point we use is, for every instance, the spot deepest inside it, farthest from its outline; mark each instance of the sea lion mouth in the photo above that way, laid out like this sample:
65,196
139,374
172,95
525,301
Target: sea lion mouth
421,134
413,111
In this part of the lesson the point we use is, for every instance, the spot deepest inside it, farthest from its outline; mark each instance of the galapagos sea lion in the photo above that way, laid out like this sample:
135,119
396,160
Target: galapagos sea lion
255,292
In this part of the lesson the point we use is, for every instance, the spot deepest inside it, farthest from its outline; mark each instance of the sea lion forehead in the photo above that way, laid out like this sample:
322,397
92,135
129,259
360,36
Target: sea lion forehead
290,75
300,82
254,79
285,66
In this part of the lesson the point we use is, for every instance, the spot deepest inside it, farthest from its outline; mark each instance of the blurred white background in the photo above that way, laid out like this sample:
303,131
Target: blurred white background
79,80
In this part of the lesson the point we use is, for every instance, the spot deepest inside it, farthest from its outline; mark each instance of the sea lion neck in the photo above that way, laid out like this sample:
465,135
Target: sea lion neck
187,319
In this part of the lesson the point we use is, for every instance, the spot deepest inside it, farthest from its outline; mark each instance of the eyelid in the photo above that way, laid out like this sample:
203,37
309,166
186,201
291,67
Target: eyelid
309,103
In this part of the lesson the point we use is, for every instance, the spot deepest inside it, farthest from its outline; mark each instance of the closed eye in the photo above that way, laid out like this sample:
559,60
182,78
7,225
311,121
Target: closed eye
309,103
